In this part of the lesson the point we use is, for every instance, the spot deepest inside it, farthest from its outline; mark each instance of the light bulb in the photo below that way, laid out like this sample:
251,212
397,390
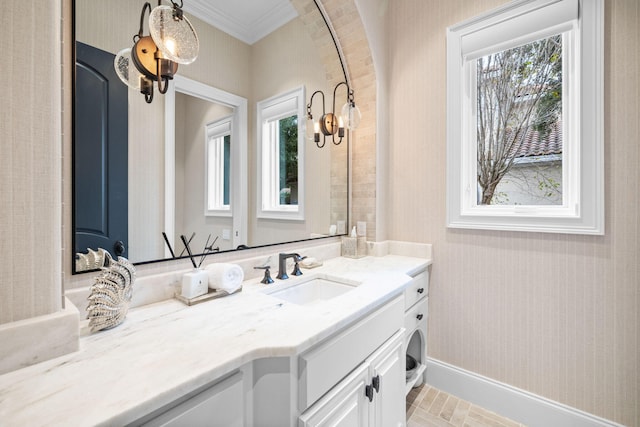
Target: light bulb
175,37
128,73
351,115
170,45
316,132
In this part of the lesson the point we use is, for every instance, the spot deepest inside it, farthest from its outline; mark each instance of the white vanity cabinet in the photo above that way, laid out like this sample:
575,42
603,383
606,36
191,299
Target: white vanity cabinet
346,405
356,378
372,395
415,322
388,369
220,405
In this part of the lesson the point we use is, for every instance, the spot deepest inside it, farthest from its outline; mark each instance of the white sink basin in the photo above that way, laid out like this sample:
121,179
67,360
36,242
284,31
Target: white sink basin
314,289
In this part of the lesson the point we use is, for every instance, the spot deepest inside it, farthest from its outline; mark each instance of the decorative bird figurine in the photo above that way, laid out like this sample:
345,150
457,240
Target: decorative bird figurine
111,294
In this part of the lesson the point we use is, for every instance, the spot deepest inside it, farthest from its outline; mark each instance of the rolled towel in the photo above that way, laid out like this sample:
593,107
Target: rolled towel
225,277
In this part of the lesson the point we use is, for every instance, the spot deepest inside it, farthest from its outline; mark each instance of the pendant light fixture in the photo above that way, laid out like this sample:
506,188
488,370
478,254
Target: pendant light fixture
155,57
330,123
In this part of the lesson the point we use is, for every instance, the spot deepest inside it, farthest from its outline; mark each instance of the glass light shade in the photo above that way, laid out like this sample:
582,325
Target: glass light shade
125,69
351,115
309,131
176,38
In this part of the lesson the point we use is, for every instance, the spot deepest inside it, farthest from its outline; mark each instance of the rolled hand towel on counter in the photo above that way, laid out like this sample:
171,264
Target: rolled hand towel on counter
225,277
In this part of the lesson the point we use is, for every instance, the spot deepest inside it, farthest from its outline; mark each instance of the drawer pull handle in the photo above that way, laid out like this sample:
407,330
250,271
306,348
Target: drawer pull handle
375,381
419,316
368,391
420,290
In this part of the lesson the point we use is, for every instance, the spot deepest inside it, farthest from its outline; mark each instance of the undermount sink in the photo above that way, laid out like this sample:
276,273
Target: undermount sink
314,289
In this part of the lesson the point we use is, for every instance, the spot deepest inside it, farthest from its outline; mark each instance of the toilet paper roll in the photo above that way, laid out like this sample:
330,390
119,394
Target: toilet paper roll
225,277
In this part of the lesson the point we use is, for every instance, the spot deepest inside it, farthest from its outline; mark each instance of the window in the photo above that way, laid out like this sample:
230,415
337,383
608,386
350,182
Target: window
525,120
280,142
218,160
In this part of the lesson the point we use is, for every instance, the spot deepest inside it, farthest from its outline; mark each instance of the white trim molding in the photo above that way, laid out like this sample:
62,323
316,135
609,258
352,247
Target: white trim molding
238,173
36,339
514,403
581,24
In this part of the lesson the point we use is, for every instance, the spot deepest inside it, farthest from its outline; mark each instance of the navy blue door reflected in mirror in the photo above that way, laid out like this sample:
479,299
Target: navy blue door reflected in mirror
100,154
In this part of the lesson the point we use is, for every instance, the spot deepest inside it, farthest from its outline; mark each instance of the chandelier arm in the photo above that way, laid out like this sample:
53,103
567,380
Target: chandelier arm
335,89
311,101
161,89
147,6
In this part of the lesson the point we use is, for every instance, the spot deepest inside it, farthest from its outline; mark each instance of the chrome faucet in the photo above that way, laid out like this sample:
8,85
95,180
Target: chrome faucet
282,265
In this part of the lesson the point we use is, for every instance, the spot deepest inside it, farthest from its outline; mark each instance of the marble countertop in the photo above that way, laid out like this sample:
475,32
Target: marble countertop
165,350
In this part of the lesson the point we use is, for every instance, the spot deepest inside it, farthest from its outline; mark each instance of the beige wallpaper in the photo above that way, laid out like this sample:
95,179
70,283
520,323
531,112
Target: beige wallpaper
30,160
553,314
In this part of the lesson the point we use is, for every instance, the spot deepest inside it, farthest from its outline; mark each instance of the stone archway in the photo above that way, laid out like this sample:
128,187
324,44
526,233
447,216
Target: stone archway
349,29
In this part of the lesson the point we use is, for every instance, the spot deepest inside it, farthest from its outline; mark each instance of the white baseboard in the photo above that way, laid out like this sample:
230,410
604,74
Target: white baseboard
511,402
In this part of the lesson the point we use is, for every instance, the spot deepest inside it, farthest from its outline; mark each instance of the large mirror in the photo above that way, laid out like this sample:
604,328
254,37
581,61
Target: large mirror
194,156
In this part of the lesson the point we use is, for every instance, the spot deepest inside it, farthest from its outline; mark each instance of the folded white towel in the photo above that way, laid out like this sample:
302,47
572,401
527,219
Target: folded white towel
225,277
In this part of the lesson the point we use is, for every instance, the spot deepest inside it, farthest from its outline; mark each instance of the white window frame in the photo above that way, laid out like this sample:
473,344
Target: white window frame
582,24
214,167
275,108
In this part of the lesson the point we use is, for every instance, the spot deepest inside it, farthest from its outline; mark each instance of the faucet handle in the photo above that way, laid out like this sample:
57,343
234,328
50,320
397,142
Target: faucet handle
296,268
267,275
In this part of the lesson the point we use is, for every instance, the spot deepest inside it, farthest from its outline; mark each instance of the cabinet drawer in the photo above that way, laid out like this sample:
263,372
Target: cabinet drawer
326,364
416,316
418,288
221,405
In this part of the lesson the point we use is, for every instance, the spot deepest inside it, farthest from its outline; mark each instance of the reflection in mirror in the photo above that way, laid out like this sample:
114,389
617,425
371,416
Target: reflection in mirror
217,167
196,116
298,53
281,156
192,142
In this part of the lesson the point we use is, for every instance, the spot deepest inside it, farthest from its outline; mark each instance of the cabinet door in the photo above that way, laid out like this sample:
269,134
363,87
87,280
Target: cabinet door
221,405
387,375
346,405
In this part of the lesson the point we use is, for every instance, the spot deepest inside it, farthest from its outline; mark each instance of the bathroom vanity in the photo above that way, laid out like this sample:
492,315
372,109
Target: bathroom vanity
249,359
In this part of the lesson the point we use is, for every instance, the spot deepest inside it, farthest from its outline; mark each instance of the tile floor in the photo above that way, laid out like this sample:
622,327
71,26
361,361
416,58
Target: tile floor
430,407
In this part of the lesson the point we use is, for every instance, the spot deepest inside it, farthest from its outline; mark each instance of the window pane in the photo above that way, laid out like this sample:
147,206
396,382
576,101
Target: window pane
519,125
226,167
288,150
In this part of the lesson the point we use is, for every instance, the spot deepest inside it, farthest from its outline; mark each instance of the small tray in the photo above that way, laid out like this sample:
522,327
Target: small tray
310,265
212,294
